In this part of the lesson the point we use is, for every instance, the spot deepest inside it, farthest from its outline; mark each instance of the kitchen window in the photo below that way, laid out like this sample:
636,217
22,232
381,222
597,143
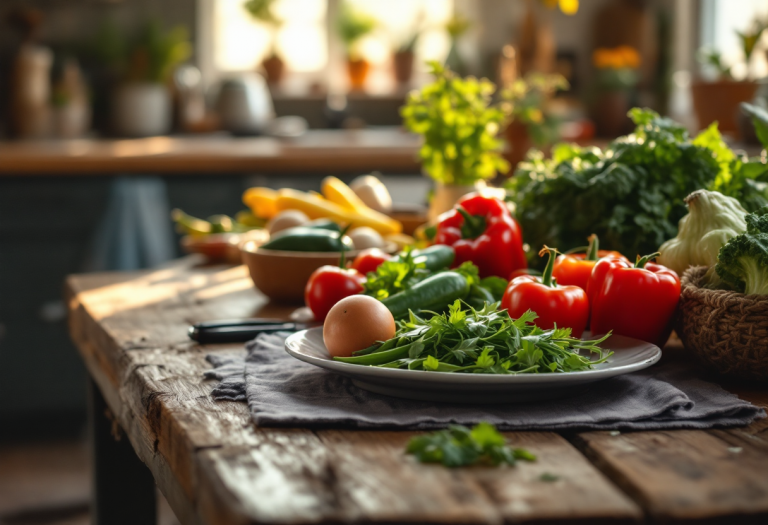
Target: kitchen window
719,23
231,41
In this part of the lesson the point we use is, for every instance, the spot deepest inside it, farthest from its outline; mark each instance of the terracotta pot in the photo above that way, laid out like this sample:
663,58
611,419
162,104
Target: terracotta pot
358,72
446,195
719,101
519,143
403,63
610,114
274,68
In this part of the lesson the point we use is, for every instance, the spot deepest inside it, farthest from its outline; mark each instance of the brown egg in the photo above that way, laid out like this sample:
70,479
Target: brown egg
356,322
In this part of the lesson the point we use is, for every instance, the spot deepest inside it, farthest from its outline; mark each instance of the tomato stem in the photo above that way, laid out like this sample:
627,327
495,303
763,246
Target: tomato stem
546,278
594,246
642,261
343,259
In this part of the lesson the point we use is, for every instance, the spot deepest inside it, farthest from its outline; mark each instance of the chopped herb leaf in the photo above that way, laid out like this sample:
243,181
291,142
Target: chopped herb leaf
458,446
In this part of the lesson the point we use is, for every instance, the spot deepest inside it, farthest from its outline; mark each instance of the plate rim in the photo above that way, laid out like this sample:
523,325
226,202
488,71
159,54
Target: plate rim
350,369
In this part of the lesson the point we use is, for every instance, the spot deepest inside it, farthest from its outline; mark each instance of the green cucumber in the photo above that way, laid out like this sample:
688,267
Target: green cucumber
322,224
437,257
302,239
433,293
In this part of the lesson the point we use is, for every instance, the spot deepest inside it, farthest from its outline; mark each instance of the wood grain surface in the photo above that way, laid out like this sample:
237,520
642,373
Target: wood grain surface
318,151
216,467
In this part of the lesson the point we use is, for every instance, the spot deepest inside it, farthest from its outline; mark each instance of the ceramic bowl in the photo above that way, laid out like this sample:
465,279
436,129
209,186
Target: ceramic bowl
216,247
283,275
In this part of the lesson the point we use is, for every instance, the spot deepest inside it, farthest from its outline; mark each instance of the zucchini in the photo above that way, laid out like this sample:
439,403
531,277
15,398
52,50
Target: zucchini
433,293
322,224
437,257
302,239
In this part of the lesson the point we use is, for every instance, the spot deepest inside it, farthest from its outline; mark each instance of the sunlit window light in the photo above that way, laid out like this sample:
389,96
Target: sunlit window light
240,43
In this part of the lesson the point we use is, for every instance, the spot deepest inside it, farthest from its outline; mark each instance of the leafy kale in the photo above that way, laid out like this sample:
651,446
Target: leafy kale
630,194
485,341
743,260
458,446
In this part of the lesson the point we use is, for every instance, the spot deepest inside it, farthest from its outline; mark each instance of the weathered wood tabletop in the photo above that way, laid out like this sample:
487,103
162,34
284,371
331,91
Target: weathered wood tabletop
215,466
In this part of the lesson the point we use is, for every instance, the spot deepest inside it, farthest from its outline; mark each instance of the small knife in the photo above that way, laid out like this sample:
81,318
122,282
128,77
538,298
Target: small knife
240,330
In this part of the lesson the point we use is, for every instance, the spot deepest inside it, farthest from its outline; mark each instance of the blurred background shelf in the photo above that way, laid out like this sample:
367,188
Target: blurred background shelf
317,151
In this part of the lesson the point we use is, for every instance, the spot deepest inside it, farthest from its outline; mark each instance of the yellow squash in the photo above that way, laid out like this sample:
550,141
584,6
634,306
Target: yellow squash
338,192
261,201
318,208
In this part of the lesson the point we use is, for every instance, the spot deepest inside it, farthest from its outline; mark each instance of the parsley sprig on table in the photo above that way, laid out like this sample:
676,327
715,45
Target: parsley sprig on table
458,446
485,341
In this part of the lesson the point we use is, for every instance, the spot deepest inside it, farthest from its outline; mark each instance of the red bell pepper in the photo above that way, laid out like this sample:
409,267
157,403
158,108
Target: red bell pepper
564,306
481,229
575,268
634,300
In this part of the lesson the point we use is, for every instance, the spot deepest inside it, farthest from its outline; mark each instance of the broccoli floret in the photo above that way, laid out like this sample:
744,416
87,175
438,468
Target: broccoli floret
743,261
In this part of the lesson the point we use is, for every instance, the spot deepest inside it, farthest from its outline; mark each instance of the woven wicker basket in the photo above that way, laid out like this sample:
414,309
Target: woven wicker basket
728,331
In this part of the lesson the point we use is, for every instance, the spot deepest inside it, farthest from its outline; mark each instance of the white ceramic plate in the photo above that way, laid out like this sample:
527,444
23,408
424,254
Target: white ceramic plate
630,355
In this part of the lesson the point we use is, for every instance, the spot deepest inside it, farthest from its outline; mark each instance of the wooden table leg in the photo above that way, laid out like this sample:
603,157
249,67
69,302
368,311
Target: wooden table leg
123,487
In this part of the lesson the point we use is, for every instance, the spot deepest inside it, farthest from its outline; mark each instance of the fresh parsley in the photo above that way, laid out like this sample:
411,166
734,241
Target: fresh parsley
458,446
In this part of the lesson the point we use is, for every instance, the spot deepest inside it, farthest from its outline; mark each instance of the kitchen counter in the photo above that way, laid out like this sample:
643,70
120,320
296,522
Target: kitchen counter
318,151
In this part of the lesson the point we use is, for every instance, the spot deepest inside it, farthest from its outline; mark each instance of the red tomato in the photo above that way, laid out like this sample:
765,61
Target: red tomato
370,259
328,285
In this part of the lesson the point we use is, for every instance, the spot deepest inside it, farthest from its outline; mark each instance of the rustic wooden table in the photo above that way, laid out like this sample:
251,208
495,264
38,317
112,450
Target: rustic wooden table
215,466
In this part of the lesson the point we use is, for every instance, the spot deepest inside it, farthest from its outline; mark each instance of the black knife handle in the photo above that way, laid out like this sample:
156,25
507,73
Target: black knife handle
204,333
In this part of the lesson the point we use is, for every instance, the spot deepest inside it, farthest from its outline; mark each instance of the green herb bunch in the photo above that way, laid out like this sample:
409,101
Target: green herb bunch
632,193
485,341
460,126
458,446
400,274
395,276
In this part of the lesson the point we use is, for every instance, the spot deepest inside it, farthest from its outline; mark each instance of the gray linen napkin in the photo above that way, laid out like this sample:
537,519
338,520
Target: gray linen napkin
283,391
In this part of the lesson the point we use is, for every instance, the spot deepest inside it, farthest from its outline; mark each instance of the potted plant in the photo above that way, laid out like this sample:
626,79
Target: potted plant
141,105
718,99
529,123
261,11
352,26
616,79
404,55
461,127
